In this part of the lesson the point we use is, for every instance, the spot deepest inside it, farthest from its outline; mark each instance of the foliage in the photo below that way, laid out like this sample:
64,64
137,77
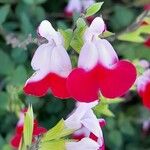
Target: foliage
18,19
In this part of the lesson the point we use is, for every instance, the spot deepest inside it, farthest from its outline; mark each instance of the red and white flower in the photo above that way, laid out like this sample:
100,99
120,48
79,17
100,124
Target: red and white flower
87,126
143,87
83,132
16,139
51,63
99,70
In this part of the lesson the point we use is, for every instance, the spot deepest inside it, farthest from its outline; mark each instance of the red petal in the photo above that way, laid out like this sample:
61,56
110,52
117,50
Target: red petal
19,129
116,81
78,137
82,85
147,42
39,130
146,96
15,141
37,88
52,81
58,86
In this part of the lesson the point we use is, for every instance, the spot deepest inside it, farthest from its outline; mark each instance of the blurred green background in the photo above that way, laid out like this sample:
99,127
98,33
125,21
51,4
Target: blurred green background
19,20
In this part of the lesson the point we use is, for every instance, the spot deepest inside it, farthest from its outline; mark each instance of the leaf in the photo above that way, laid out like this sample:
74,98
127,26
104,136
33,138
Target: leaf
67,35
93,9
54,132
133,50
107,34
57,132
19,76
53,145
122,17
4,10
103,109
116,138
6,64
28,127
77,40
3,101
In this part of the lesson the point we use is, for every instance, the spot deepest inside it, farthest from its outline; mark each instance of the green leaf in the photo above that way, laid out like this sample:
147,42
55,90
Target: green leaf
4,10
121,17
53,145
54,132
28,127
93,9
116,138
7,66
107,34
77,40
3,101
111,101
133,50
103,109
67,34
19,76
57,132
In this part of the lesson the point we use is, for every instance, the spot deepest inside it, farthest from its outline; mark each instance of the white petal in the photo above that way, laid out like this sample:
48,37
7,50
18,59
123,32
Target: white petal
74,121
82,131
60,61
97,26
92,123
41,57
142,81
46,30
84,144
107,55
41,62
88,56
74,6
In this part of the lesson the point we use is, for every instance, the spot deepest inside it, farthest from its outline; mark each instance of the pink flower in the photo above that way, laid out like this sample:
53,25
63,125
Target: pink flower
99,70
16,139
143,88
51,64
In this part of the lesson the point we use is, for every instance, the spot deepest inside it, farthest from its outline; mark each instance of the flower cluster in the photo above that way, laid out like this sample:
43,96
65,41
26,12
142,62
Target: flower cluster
16,139
99,72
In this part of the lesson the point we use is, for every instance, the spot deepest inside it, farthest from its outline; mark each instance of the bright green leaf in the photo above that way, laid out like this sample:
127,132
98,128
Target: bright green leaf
77,40
28,127
53,145
67,34
93,9
107,34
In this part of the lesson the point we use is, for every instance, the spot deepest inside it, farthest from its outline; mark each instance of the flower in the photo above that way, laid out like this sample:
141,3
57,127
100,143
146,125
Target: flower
143,87
51,63
87,126
99,70
84,144
78,6
83,132
16,139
